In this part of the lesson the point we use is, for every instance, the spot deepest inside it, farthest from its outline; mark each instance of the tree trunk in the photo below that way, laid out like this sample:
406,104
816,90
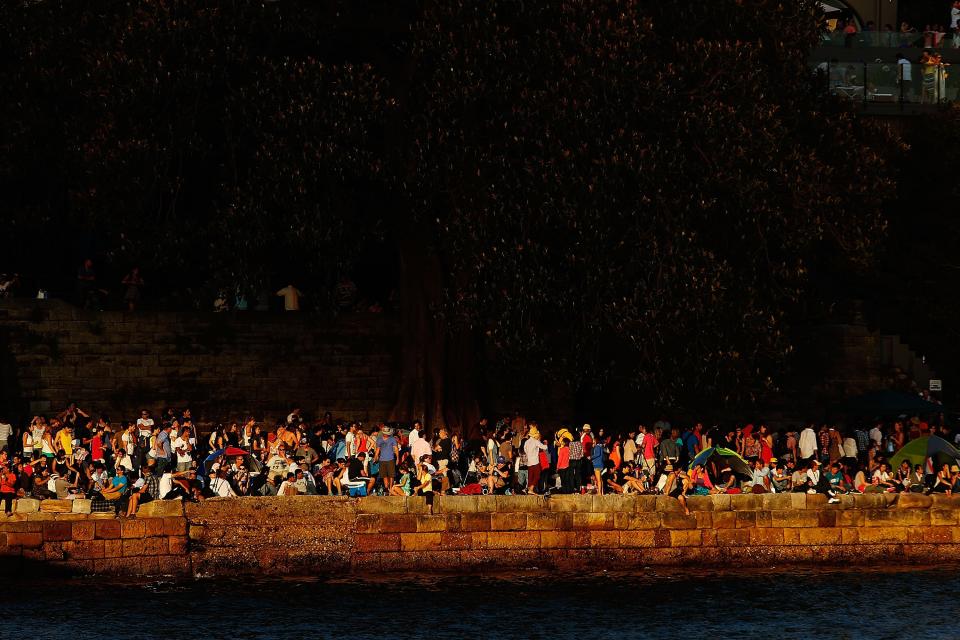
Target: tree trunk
437,382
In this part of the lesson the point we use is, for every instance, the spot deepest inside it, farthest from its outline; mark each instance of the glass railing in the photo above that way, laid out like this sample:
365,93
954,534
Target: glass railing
894,39
879,82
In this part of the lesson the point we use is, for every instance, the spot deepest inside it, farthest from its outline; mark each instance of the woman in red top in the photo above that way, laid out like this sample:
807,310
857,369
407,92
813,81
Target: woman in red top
8,489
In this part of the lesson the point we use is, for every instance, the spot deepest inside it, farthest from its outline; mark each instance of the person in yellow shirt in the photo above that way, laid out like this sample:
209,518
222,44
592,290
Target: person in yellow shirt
65,442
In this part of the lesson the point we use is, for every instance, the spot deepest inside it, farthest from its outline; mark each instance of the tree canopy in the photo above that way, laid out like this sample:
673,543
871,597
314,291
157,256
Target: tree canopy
619,190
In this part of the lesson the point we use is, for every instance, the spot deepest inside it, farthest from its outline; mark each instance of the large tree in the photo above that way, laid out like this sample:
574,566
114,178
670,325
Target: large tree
613,193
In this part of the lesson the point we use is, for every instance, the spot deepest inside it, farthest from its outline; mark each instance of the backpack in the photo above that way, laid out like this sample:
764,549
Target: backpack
473,489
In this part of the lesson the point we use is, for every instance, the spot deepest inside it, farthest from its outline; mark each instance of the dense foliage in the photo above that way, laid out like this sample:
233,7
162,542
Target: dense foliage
613,190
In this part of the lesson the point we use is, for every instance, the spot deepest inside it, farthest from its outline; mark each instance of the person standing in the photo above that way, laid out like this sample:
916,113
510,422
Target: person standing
387,453
808,443
163,449
532,448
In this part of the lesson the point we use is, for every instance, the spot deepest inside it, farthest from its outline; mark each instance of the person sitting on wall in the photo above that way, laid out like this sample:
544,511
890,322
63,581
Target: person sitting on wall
677,486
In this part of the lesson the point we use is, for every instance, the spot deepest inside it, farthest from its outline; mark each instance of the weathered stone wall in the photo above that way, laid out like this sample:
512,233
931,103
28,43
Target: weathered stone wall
62,535
317,535
219,364
311,535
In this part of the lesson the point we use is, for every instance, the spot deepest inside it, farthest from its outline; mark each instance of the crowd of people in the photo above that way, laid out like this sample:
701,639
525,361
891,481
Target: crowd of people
120,466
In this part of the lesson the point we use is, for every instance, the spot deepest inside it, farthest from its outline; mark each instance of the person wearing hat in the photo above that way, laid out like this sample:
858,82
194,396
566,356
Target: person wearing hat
531,449
387,452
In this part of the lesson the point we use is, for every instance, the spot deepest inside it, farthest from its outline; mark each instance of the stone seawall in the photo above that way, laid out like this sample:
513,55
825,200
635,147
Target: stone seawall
57,536
317,535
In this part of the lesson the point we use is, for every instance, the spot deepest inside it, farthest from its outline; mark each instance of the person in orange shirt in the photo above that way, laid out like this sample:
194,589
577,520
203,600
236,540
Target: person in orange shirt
8,488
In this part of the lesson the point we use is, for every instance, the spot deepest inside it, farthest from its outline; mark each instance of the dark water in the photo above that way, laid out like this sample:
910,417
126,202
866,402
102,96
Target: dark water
777,603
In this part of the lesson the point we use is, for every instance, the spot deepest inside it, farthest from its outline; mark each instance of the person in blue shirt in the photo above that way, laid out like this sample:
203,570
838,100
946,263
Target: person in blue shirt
597,458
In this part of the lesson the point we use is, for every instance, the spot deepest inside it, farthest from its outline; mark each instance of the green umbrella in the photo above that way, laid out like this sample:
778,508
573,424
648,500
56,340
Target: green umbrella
917,451
728,456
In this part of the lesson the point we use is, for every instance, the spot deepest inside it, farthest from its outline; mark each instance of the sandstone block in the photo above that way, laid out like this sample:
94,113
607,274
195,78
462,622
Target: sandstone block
794,518
154,527
897,517
570,503
456,541
82,530
733,537
708,537
113,548
604,539
519,504
174,526
88,549
700,503
869,501
593,521
685,538
546,521
107,529
431,524
746,519
562,539
777,501
937,535
943,501
134,547
816,500
666,503
746,502
26,505
418,505
850,535
614,503
56,506
944,517
721,502
485,504
364,543
174,565
196,532
704,519
31,540
850,517
365,523
637,538
820,536
161,509
798,501
81,505
133,529
478,540
674,520
70,517
766,537
724,519
470,522
155,546
640,520
420,541
914,501
508,521
882,535
791,536
57,531
513,540
827,518
455,504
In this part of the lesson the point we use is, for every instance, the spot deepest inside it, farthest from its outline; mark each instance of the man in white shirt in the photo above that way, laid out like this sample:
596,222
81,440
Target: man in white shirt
5,430
145,424
181,446
808,443
220,487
